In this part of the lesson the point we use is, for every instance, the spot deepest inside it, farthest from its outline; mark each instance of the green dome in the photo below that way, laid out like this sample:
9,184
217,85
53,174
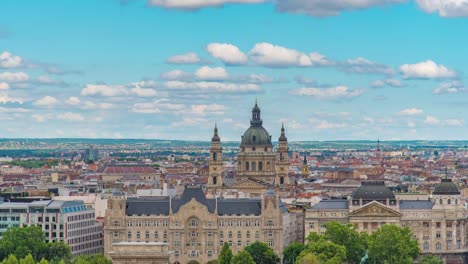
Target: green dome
446,187
256,136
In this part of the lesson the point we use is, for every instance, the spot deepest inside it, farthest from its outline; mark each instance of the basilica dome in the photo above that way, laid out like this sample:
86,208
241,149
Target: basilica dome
256,134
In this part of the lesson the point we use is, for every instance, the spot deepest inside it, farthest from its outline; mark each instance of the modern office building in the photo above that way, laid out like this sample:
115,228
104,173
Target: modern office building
68,221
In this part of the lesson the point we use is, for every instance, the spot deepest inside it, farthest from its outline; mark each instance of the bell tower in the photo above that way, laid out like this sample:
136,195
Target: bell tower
305,167
282,160
215,178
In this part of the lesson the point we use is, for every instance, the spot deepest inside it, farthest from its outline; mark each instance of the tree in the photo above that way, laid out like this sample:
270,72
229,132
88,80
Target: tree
225,255
291,252
308,258
92,259
22,241
326,251
243,257
313,237
214,261
58,251
429,259
10,260
347,236
44,261
262,253
27,260
392,244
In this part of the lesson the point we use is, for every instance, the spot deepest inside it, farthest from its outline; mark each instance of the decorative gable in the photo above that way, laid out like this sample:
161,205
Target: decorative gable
375,209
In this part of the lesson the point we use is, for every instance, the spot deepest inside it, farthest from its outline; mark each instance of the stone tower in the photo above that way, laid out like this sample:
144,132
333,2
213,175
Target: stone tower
305,167
282,160
215,178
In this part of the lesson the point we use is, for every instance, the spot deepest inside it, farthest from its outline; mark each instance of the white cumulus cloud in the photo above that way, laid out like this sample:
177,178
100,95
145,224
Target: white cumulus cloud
387,82
338,92
322,8
220,87
363,65
197,4
187,58
70,116
426,70
144,92
73,100
176,75
270,55
227,53
204,109
209,73
8,60
14,77
445,8
47,100
450,88
104,90
411,111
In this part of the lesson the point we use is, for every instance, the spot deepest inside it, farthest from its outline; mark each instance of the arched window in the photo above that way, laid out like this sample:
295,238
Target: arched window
247,166
281,156
156,235
440,201
193,222
281,180
254,166
138,235
247,234
147,235
438,246
230,234
129,235
426,246
449,201
260,166
215,180
239,234
215,156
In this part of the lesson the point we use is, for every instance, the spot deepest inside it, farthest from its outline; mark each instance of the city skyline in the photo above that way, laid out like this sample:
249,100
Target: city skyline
335,70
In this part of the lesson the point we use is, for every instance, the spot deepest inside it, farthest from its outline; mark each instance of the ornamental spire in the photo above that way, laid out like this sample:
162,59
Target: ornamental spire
283,135
256,119
215,137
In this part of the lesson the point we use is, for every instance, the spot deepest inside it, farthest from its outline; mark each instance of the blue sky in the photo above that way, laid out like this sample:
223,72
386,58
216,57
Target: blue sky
170,69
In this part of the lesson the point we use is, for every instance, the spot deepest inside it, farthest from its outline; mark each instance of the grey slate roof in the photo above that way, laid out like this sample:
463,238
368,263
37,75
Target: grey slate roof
160,206
415,205
373,190
332,204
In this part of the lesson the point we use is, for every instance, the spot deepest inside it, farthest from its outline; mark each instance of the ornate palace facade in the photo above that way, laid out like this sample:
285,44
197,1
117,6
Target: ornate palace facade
439,224
195,228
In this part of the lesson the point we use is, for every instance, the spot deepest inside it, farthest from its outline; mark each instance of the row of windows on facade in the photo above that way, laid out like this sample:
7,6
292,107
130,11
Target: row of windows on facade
438,245
424,224
195,223
80,232
194,234
80,217
253,167
85,238
93,245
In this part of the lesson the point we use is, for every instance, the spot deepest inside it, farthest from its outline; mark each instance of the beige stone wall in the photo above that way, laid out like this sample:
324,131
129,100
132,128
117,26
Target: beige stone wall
144,253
